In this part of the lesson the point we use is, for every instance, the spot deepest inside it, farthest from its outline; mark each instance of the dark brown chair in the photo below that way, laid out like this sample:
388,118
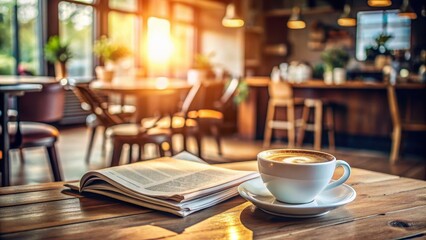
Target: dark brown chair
29,131
179,123
90,101
159,129
118,130
210,120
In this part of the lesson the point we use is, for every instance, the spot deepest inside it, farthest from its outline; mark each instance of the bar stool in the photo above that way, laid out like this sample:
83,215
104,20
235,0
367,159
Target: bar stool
281,95
319,107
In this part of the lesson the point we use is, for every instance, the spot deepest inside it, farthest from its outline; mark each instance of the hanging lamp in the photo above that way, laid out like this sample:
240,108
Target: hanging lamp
346,20
407,11
295,21
379,3
231,18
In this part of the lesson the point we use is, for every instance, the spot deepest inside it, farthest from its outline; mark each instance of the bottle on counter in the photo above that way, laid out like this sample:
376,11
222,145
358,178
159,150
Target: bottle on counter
275,74
422,68
284,71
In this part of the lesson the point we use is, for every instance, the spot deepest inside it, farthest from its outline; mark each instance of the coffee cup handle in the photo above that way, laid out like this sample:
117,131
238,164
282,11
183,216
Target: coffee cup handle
343,178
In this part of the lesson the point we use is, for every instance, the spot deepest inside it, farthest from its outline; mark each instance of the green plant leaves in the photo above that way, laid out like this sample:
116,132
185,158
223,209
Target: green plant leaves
108,50
55,51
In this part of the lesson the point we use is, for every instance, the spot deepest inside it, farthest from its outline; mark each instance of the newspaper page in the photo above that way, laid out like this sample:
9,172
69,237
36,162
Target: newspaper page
168,178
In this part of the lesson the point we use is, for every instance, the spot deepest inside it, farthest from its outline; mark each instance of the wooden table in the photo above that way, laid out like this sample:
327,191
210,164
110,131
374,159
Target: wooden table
12,86
145,89
386,207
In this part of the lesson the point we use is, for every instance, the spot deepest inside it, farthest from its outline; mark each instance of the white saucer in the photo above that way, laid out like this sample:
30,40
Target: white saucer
255,191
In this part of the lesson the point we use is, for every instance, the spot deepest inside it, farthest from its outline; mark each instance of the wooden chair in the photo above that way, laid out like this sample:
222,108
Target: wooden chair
398,124
319,107
281,95
28,131
157,130
89,101
176,123
132,134
211,120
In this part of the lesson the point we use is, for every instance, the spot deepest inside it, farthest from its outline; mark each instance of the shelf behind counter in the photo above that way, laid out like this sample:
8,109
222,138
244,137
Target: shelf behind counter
362,107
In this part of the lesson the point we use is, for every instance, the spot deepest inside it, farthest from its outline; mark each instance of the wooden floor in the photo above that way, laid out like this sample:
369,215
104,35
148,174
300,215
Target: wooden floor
73,142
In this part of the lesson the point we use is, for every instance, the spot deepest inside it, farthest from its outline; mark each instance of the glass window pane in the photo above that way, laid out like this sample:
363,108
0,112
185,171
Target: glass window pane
7,61
183,36
159,46
76,27
122,30
371,24
183,13
29,34
125,5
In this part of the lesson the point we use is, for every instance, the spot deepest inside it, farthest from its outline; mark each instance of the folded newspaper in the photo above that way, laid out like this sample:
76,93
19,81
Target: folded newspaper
182,184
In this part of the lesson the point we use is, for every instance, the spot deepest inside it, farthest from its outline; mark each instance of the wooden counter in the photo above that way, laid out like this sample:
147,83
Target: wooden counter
362,108
318,83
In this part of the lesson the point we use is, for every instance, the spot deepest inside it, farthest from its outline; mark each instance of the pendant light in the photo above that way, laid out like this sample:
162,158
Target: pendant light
346,20
407,11
379,3
231,18
295,21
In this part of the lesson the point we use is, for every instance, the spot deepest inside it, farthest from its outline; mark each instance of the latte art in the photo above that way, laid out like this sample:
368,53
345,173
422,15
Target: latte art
293,158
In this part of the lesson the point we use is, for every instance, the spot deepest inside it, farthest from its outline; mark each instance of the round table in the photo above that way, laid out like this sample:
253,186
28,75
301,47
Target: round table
149,92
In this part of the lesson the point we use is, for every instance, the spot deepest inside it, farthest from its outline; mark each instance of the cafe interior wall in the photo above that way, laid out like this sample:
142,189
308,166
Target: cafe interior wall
225,43
298,39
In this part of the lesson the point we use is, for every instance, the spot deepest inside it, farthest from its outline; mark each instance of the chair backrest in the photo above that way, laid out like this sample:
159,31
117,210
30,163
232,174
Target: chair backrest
190,99
280,90
45,106
229,93
211,94
96,105
393,106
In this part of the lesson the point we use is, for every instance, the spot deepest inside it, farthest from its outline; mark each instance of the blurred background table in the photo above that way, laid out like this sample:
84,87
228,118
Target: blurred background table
151,94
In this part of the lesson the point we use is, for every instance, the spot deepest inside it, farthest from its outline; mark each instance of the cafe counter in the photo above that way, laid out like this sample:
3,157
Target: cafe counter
361,108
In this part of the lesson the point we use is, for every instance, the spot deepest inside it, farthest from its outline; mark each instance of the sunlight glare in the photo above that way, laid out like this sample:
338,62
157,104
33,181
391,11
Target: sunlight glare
159,40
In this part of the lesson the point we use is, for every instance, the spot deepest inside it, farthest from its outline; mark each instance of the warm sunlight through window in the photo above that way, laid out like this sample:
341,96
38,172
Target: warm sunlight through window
159,40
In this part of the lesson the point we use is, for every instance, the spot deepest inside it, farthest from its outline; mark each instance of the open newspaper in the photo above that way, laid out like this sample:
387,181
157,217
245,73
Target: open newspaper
181,185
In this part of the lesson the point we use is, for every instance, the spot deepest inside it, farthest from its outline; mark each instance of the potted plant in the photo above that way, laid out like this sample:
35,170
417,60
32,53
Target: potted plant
335,60
58,53
109,53
379,53
202,68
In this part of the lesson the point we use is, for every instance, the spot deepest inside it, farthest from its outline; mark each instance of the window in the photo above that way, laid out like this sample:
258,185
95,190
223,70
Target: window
166,43
373,23
123,28
7,61
76,27
160,46
183,33
28,33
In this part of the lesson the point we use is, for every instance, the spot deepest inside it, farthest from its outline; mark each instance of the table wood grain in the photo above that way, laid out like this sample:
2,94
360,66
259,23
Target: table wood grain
386,207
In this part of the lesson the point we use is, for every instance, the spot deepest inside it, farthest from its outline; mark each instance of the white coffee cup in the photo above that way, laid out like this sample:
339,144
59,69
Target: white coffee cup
298,179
